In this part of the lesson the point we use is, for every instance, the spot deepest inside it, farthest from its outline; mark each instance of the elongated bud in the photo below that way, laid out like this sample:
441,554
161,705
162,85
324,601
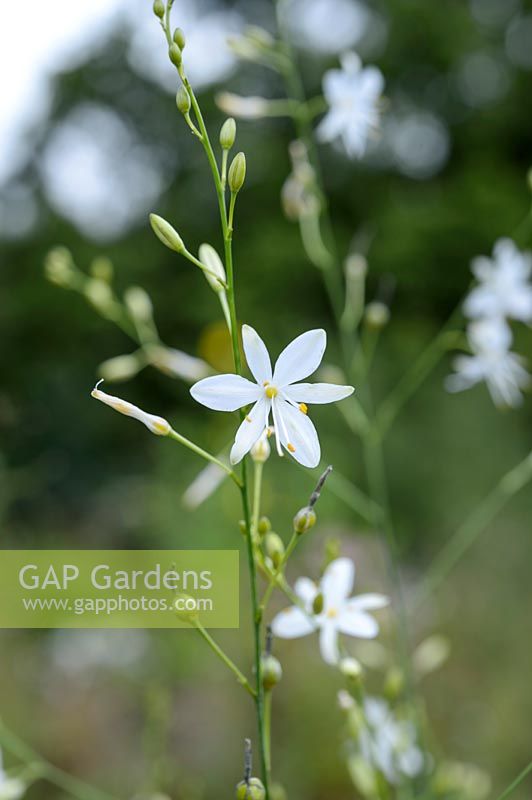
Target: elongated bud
138,303
272,671
317,604
157,425
59,266
250,790
166,233
174,54
212,260
120,368
242,107
185,607
377,315
99,294
158,8
179,38
182,100
260,452
237,173
228,134
102,269
274,547
351,668
304,520
264,526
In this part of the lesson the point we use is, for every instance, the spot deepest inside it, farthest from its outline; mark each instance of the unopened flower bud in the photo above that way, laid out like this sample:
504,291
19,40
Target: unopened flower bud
174,54
182,100
102,269
317,604
120,368
264,526
157,425
237,173
260,452
216,276
242,107
228,134
377,315
99,294
394,683
59,266
158,8
185,607
166,233
179,38
250,790
351,668
272,671
304,520
274,547
138,303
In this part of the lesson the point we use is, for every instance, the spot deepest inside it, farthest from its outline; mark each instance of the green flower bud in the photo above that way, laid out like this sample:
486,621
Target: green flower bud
377,315
260,452
59,266
252,790
317,604
274,547
394,683
182,100
228,134
237,173
272,672
179,38
264,526
99,294
242,527
174,54
166,233
304,520
185,607
158,8
351,668
102,269
138,303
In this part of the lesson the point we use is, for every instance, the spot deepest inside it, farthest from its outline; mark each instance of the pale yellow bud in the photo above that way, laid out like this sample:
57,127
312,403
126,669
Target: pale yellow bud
237,173
157,425
216,276
166,233
228,134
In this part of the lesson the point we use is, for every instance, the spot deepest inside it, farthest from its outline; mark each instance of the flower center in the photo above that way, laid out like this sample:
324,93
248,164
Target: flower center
332,613
271,391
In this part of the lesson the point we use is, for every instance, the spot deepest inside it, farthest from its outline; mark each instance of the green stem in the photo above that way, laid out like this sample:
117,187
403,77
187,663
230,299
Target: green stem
520,778
204,454
466,535
268,730
241,678
257,491
68,783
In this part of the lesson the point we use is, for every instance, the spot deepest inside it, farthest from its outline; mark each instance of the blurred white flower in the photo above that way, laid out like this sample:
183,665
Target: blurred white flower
389,744
352,94
204,485
492,362
10,788
277,392
327,26
340,614
504,288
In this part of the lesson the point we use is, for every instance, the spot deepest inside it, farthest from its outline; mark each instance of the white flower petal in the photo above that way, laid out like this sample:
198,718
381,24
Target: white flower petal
317,392
356,623
257,355
225,392
306,590
297,434
204,485
337,582
300,358
292,623
250,430
329,643
367,602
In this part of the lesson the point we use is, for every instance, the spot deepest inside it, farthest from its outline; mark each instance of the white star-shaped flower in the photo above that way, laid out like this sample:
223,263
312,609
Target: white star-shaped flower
389,743
352,94
504,288
341,613
492,362
277,392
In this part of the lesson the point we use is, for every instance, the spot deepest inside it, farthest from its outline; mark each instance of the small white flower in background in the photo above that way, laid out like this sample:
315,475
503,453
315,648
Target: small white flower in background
10,788
492,362
157,425
204,485
352,94
504,288
389,744
277,392
341,613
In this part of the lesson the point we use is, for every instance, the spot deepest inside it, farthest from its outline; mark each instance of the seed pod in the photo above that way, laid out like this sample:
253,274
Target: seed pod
272,671
182,100
264,526
179,38
237,173
228,134
166,233
250,790
174,54
274,547
304,520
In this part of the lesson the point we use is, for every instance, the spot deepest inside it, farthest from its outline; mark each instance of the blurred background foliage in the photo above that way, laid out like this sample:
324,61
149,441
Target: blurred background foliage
142,712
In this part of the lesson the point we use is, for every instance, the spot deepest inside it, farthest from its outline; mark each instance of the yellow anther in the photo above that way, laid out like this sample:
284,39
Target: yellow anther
265,383
271,392
248,418
269,433
291,447
332,613
303,408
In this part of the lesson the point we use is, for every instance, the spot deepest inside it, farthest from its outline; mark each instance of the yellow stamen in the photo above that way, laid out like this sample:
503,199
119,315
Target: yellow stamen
291,447
332,613
303,408
265,383
269,432
271,392
248,418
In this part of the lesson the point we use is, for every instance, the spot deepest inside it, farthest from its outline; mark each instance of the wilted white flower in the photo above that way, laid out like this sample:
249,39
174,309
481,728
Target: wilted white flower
504,288
10,788
492,362
352,94
389,744
340,614
157,425
177,364
236,105
277,392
